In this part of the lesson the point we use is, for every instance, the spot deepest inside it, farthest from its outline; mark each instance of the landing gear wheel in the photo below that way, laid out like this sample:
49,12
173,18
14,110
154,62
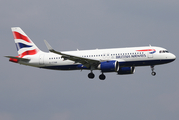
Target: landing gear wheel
102,77
91,75
152,68
153,73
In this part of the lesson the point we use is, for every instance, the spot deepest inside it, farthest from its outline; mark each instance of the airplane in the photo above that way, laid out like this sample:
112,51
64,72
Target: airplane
120,60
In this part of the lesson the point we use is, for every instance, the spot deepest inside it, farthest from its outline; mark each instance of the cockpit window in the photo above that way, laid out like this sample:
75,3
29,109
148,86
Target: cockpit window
163,51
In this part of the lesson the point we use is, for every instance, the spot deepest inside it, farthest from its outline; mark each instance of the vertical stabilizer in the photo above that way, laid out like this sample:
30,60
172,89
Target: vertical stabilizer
24,44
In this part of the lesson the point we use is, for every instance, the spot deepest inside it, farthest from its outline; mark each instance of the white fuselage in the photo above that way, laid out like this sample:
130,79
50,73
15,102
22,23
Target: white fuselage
133,56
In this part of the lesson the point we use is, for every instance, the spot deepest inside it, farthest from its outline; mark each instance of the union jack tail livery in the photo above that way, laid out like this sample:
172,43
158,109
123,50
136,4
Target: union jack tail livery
23,43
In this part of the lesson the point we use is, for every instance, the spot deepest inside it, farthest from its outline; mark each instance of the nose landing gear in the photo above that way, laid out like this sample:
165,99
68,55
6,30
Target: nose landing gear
153,73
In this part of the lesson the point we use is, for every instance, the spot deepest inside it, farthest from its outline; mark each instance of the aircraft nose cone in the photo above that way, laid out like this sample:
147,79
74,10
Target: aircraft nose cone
172,56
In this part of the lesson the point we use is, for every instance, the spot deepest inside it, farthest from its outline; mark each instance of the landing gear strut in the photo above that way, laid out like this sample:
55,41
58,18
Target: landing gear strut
102,77
153,73
91,75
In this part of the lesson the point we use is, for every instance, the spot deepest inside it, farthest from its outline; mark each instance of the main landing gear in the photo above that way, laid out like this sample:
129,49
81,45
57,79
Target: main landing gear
102,76
91,76
153,73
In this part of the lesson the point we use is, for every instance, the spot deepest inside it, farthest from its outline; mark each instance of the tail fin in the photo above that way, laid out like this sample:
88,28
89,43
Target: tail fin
23,43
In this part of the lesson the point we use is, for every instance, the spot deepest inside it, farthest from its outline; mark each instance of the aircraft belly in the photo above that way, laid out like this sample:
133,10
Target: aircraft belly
144,62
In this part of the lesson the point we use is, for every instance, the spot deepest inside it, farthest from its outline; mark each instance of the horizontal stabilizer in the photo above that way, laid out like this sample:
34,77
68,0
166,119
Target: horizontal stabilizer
21,59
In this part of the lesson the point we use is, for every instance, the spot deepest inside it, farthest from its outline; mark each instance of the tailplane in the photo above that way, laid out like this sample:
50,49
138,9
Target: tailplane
24,44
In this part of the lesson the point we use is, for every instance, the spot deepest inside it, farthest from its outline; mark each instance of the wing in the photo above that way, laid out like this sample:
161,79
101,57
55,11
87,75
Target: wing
77,59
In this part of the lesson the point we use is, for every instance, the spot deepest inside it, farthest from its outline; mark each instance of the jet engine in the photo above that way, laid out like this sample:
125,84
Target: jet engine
126,70
109,66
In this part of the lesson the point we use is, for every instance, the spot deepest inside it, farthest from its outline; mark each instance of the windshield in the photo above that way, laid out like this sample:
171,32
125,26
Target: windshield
163,51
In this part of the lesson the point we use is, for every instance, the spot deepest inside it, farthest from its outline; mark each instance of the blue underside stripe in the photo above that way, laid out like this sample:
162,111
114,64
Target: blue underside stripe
122,64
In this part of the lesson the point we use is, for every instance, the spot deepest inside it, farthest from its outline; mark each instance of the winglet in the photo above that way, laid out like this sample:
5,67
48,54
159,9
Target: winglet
48,46
51,49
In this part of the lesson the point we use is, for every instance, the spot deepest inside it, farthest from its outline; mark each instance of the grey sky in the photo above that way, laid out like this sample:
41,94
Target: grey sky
31,93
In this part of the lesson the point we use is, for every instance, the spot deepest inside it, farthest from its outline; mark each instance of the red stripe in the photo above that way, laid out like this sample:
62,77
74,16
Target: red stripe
29,52
13,60
146,50
20,36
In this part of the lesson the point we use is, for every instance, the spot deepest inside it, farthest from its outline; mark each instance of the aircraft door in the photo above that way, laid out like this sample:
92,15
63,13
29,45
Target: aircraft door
41,59
150,55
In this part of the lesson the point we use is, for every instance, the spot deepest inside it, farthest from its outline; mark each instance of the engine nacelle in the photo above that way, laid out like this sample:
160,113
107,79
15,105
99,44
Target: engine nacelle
126,70
109,66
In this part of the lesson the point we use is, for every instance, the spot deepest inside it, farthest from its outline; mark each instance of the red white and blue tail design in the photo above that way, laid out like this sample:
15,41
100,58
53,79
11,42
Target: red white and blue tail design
23,43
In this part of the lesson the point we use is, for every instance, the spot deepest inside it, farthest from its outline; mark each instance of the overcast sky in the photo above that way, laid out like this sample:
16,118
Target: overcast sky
28,93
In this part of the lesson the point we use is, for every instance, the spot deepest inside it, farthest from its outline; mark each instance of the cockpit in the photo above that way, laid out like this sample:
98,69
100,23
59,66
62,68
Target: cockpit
163,51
